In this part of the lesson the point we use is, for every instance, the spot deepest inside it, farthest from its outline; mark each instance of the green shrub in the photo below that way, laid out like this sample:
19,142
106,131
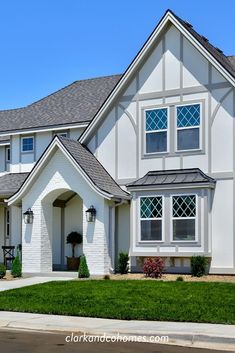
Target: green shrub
179,279
198,266
83,271
16,270
106,277
123,266
2,271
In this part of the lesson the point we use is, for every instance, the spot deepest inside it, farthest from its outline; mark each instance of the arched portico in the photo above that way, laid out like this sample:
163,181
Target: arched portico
60,183
63,213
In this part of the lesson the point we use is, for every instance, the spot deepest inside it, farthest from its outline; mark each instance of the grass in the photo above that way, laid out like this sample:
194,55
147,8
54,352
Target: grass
140,300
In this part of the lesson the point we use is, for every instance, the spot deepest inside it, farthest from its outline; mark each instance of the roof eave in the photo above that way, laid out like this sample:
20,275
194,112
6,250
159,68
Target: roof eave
199,185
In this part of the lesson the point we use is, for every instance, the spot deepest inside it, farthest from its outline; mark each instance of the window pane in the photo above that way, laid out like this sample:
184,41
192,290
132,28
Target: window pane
27,144
156,142
151,230
188,115
184,206
184,229
156,119
188,139
151,207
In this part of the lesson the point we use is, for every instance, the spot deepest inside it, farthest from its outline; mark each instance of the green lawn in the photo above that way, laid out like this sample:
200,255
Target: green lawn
125,299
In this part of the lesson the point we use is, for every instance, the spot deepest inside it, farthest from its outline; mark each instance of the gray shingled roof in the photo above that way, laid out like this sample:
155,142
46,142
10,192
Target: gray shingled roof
172,177
10,183
92,167
217,53
76,103
231,59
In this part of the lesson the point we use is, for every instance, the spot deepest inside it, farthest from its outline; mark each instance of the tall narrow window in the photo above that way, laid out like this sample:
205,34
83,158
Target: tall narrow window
184,217
156,130
151,218
7,223
8,154
188,127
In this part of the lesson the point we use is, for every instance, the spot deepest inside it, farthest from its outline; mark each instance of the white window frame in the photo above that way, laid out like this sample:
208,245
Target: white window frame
156,131
188,127
22,139
173,218
8,148
140,219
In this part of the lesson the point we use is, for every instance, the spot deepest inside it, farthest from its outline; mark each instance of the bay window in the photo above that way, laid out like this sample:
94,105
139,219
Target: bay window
151,218
184,217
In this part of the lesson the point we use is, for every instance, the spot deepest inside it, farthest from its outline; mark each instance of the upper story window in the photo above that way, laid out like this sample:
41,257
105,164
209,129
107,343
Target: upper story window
156,123
188,127
27,144
151,218
61,133
184,217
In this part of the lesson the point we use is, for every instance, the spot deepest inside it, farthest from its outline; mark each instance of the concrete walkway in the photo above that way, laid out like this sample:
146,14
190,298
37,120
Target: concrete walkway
23,282
186,334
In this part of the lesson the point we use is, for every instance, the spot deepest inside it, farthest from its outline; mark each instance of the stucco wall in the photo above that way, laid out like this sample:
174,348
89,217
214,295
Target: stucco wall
176,73
23,162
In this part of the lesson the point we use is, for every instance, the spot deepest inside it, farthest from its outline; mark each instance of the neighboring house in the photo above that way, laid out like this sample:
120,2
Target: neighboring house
154,156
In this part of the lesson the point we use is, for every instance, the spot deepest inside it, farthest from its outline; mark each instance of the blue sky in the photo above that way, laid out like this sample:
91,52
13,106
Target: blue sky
47,44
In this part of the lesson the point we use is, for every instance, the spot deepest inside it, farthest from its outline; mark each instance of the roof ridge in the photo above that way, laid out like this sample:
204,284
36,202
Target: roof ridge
173,171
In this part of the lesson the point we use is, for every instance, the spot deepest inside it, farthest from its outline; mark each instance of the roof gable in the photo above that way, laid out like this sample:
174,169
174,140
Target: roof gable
85,163
222,63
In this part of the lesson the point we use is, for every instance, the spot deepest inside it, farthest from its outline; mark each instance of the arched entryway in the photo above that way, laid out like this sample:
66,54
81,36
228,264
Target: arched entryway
63,213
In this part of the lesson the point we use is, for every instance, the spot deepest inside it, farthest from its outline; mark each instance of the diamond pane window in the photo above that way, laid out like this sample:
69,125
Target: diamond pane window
188,127
151,207
151,218
156,130
156,119
188,115
184,206
184,217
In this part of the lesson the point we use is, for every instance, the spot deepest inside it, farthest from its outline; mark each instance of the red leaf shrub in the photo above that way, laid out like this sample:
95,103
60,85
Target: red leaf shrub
153,267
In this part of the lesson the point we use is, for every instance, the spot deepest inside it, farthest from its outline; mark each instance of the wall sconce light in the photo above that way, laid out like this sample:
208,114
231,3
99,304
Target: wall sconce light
28,216
91,214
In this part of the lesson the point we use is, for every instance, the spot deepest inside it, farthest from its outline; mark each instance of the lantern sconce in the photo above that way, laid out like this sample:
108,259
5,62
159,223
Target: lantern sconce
91,214
28,216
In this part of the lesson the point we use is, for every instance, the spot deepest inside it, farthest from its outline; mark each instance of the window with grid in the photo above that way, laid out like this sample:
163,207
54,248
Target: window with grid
188,127
156,130
27,144
184,217
151,218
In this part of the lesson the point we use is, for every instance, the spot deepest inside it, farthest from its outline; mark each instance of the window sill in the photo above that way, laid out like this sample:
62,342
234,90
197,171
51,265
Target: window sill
27,152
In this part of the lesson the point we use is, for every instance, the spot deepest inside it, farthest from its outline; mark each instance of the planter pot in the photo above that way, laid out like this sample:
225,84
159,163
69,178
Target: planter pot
73,263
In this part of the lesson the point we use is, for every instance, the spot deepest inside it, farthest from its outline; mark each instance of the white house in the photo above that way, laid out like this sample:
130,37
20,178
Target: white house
152,150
